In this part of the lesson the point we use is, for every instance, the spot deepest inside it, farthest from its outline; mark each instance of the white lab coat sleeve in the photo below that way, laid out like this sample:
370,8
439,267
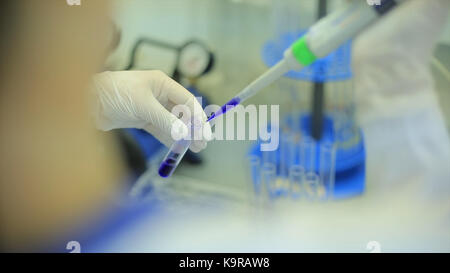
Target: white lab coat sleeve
405,134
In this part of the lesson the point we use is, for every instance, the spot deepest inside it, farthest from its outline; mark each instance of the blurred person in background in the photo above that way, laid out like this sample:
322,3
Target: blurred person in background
405,134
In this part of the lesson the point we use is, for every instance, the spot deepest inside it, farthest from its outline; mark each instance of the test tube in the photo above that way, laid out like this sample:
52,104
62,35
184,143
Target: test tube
255,173
327,170
282,165
311,185
308,154
268,179
286,160
173,157
284,155
338,108
296,176
269,157
346,134
294,148
178,149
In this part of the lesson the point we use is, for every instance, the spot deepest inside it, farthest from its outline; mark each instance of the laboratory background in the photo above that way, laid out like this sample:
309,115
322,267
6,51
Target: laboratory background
362,165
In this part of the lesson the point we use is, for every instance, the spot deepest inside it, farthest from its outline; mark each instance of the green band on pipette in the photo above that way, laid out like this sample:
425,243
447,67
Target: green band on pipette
301,52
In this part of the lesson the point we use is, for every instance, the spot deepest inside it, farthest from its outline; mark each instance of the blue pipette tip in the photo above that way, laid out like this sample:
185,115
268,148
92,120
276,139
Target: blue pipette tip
213,115
226,107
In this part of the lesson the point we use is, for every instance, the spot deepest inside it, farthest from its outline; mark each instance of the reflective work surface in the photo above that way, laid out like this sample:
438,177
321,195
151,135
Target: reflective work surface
199,215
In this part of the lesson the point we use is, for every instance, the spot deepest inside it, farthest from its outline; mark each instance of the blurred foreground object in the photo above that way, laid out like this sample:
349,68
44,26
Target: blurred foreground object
57,172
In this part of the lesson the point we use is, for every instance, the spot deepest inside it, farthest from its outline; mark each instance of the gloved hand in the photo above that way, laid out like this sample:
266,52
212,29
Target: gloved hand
143,100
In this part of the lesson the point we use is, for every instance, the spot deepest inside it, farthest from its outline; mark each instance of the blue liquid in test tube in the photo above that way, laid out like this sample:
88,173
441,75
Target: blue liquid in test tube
173,157
179,148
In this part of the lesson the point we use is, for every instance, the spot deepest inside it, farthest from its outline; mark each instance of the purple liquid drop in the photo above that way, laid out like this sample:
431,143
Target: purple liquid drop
225,108
166,168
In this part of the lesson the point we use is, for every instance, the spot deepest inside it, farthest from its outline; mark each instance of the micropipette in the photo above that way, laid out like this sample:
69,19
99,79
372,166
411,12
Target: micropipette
322,38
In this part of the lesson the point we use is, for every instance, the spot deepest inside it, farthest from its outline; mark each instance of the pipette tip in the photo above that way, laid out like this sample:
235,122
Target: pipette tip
226,107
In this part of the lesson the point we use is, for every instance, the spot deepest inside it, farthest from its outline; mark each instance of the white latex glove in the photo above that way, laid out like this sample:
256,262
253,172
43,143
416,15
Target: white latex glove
143,100
405,132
